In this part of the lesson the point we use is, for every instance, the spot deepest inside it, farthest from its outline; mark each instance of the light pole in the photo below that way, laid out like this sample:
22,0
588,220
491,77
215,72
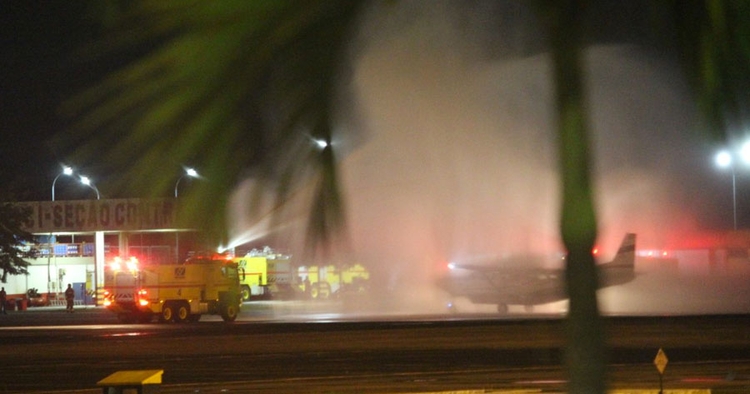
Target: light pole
86,181
193,174
99,245
188,172
66,171
725,159
99,236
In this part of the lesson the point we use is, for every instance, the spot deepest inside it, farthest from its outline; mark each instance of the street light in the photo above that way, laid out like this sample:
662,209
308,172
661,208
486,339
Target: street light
86,181
98,237
188,172
99,242
725,159
66,171
193,174
321,144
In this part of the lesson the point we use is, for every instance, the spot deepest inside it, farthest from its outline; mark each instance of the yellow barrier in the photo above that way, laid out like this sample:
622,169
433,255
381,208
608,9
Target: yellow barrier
126,382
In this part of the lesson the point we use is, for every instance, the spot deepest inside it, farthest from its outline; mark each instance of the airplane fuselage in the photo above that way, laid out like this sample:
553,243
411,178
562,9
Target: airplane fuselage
528,286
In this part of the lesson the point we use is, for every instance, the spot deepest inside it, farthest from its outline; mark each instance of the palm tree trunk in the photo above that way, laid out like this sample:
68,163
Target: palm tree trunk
585,361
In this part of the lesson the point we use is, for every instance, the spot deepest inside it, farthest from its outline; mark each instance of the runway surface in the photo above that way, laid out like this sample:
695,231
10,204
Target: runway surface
278,350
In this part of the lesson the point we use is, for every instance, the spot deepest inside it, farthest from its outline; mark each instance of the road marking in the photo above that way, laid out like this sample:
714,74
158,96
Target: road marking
617,391
656,391
489,391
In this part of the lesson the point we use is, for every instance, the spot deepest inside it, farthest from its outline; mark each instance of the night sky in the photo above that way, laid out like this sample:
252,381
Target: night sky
38,70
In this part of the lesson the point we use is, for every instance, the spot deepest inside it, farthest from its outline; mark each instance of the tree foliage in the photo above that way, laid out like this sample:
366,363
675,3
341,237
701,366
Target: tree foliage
713,39
14,240
234,88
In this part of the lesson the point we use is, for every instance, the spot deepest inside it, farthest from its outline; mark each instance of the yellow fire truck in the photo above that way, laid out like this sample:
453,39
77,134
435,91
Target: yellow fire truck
324,282
268,274
174,292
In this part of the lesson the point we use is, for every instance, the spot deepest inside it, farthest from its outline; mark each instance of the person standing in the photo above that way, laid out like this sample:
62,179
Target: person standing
3,300
308,287
70,295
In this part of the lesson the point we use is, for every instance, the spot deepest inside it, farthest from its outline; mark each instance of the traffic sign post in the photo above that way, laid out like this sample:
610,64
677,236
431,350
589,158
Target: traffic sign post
661,364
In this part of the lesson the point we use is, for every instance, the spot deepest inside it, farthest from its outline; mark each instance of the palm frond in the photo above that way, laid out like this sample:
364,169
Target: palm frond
226,87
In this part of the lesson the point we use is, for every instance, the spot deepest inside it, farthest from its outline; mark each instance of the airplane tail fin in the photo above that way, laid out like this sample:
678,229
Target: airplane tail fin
625,257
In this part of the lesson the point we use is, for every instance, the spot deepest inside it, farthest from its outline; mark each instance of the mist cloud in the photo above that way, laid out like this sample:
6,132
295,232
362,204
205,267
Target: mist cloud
454,154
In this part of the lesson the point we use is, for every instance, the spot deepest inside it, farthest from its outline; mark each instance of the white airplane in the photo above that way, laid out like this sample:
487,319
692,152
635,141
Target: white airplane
511,283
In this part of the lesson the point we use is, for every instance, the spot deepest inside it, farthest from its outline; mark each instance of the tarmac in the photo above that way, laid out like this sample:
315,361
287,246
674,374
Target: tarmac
59,308
40,316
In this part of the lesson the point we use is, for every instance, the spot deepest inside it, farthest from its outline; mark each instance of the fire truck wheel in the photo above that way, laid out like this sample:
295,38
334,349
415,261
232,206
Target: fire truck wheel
245,293
229,312
183,312
324,290
167,313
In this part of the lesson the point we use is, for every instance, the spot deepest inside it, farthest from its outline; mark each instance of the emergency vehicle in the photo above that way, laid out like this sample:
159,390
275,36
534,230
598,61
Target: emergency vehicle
137,292
327,281
272,275
268,274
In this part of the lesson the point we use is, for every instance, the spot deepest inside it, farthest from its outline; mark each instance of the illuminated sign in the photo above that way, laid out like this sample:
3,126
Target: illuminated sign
101,215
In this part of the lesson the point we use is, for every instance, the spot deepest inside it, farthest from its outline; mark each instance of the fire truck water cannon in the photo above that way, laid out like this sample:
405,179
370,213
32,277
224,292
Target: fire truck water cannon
173,292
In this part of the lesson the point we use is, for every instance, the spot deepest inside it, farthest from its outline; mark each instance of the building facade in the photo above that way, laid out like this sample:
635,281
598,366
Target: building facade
76,238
